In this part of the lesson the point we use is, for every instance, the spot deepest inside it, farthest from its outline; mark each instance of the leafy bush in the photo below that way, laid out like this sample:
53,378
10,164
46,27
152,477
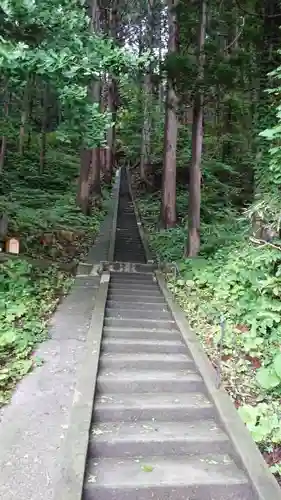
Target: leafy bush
240,282
43,214
27,298
40,213
263,421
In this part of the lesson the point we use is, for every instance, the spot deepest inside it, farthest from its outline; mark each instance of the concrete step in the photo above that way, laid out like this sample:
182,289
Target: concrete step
128,299
147,438
123,267
132,277
129,245
132,284
145,278
136,313
140,323
138,306
134,256
149,381
166,406
216,477
140,334
143,345
134,291
144,361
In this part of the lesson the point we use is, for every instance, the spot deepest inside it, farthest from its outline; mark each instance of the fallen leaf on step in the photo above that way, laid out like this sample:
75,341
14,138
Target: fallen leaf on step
147,468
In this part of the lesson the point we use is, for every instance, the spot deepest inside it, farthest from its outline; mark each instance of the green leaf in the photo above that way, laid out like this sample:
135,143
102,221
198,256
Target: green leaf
180,282
147,468
277,364
248,414
267,378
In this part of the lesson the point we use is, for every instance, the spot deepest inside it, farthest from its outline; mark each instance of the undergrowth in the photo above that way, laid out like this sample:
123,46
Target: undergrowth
43,215
231,296
42,210
28,296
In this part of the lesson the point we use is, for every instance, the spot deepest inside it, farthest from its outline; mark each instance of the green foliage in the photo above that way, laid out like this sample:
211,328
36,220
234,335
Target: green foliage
273,134
263,421
42,209
27,298
43,214
242,282
51,44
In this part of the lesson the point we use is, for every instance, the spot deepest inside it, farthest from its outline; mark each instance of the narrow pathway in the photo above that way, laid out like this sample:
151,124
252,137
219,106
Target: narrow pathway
155,432
148,420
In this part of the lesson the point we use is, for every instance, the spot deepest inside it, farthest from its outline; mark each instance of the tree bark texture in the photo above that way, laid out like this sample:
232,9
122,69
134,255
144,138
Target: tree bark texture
111,133
94,179
90,159
24,115
111,103
103,107
168,202
145,156
146,128
197,143
43,138
4,137
95,166
83,185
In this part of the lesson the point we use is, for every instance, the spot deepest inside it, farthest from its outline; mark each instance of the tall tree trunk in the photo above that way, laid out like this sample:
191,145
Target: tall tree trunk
82,199
103,107
4,137
24,116
43,143
111,102
168,202
230,47
95,167
146,129
30,110
161,95
95,186
197,142
111,133
3,152
145,156
90,160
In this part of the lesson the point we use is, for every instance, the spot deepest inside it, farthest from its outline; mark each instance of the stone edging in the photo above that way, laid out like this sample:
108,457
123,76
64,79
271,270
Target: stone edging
147,251
115,197
69,485
246,450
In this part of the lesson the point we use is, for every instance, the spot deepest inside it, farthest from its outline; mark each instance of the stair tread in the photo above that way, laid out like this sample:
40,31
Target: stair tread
213,469
142,322
146,356
144,360
148,400
143,342
128,299
135,330
135,310
148,375
203,431
119,304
